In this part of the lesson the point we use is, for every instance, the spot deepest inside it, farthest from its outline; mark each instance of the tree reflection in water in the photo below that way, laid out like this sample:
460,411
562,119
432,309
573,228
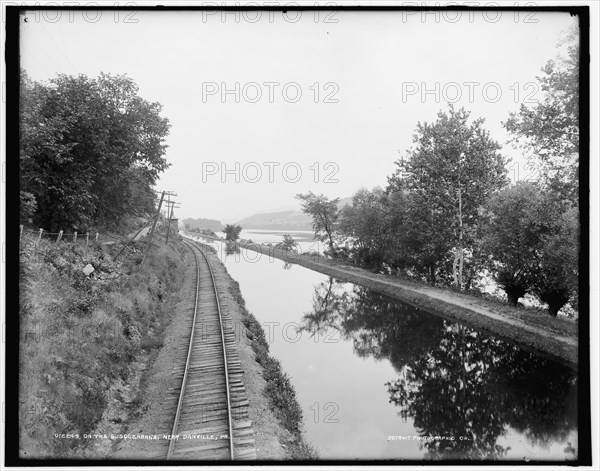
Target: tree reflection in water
231,248
453,381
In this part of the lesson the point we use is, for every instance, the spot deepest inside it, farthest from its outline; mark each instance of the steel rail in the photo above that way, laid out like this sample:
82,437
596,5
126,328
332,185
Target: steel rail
191,246
212,276
187,361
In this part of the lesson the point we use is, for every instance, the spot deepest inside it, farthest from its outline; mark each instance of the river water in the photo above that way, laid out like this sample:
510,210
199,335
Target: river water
379,379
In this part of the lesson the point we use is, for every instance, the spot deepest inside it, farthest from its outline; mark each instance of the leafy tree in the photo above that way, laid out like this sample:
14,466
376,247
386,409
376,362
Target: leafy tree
324,213
532,243
91,150
557,281
28,206
364,224
400,241
453,168
549,130
512,237
288,242
232,232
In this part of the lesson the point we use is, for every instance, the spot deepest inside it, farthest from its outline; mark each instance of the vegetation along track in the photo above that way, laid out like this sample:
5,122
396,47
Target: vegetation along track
211,421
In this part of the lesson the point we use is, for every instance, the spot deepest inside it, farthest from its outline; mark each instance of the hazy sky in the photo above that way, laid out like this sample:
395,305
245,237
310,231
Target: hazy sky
332,99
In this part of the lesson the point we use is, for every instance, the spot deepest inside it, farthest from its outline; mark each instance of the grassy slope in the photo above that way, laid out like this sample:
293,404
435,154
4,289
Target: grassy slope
82,335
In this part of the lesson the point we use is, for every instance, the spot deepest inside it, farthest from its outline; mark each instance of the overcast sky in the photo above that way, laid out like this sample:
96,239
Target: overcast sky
334,97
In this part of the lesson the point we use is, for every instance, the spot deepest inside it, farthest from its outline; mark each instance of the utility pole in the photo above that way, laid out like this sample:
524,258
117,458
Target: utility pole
170,216
149,245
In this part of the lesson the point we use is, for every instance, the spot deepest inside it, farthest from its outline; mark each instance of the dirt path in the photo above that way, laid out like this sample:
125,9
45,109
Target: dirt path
556,337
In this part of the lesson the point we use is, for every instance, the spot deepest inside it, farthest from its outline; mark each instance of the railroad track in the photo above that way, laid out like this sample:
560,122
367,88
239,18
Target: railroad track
211,420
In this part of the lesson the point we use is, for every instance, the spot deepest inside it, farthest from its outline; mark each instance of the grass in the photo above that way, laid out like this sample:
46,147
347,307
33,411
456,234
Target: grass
81,335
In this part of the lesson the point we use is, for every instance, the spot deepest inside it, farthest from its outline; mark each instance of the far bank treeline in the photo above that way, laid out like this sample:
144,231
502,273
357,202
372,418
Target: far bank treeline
91,150
449,216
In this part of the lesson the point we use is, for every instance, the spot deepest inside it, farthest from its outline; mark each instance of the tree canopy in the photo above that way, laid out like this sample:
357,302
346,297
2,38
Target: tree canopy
324,213
453,168
449,216
91,149
549,130
232,232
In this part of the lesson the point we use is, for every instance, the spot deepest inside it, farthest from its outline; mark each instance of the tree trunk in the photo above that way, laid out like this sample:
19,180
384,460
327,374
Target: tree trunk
513,296
554,308
469,279
458,266
331,243
459,254
431,274
556,300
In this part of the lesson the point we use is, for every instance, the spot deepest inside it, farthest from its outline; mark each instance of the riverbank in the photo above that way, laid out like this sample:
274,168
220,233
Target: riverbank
528,327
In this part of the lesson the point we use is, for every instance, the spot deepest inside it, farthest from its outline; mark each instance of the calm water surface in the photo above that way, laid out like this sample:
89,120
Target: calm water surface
378,379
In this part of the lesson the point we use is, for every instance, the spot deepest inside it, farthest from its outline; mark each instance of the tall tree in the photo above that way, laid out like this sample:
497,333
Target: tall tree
557,282
511,235
324,213
532,243
451,171
91,149
549,132
549,129
232,232
364,224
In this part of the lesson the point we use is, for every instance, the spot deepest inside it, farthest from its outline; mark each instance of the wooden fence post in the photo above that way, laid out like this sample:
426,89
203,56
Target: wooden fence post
87,239
39,238
97,237
75,237
60,233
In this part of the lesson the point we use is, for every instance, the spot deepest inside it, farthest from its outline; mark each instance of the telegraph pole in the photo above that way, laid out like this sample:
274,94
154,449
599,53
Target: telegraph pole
149,244
172,205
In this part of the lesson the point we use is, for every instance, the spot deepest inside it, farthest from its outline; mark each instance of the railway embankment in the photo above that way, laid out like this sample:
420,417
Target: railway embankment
100,340
274,412
89,328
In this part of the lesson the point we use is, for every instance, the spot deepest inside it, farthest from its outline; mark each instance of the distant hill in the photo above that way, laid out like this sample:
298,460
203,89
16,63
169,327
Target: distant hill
281,220
202,223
